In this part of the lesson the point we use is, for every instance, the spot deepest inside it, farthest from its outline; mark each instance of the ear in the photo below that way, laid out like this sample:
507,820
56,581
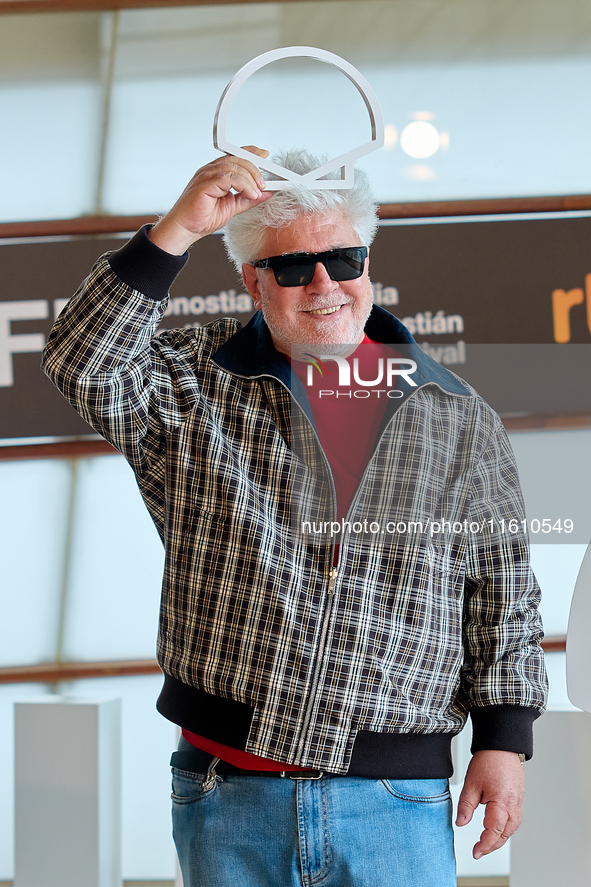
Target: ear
251,282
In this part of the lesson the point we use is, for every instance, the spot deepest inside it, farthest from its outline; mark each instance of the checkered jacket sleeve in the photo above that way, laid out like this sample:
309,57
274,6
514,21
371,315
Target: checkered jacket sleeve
128,384
102,356
504,664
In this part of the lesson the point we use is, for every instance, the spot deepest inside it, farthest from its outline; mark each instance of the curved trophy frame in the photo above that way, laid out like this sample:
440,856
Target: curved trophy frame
578,650
314,178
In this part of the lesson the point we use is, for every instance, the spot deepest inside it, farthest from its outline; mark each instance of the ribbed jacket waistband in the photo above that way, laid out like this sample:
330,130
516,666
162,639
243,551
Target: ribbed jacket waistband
375,755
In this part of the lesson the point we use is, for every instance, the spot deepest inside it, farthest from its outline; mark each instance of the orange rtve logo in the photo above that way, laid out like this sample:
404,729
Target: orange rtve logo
562,302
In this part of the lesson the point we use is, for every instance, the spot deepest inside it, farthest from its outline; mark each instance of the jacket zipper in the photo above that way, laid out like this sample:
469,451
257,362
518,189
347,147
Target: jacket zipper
331,583
331,587
328,605
318,667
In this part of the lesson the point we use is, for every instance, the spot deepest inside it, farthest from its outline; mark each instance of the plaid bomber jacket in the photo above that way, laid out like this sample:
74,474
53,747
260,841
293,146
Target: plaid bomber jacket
369,669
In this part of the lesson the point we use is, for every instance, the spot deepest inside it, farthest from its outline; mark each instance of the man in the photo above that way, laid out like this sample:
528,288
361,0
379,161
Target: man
318,682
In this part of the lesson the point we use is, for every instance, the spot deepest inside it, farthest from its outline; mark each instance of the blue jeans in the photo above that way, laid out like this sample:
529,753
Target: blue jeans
338,831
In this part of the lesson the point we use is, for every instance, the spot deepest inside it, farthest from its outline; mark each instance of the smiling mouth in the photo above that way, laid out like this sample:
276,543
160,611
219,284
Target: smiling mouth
325,310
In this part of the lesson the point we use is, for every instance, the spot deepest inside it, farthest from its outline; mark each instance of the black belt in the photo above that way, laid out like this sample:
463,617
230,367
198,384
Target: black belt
195,760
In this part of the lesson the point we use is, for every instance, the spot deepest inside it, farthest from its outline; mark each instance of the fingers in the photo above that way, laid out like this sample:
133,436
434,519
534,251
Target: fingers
218,191
243,172
246,181
250,168
252,149
228,173
499,825
495,779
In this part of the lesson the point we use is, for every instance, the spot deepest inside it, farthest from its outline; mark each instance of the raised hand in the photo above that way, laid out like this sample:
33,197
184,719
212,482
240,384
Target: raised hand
217,192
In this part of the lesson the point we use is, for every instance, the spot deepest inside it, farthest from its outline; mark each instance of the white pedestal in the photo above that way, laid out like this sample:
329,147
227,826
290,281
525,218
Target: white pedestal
68,793
553,846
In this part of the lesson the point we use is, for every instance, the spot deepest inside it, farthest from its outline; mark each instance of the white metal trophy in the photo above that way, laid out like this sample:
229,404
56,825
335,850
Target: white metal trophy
578,648
314,178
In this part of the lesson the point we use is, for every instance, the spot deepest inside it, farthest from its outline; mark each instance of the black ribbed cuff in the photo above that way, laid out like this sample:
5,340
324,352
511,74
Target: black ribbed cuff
503,728
145,267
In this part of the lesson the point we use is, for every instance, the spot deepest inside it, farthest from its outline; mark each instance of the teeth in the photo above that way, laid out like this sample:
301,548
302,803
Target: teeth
325,310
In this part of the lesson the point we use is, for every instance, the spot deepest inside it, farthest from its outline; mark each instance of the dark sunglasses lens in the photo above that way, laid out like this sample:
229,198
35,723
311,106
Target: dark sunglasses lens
294,270
341,264
345,264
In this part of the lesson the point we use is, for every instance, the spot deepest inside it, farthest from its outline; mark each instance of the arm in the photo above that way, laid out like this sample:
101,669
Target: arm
101,354
504,677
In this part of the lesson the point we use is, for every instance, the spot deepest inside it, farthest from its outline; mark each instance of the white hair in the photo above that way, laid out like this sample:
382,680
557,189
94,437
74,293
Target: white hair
243,235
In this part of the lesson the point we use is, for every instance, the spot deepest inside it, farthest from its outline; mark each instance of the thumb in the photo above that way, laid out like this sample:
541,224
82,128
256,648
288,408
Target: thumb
467,804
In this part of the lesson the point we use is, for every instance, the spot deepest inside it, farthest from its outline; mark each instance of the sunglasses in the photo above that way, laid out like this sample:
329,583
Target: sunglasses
297,269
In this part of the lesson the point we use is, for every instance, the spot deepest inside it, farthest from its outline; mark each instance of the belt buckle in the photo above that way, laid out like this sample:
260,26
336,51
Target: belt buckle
303,774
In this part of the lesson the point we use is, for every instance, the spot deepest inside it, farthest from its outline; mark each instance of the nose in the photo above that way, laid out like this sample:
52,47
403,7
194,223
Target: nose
321,283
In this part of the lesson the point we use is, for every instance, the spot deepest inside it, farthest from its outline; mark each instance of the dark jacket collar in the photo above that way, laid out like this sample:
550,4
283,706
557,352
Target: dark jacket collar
250,352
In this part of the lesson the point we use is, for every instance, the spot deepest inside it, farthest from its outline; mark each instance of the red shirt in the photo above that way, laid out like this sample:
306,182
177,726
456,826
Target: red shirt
348,419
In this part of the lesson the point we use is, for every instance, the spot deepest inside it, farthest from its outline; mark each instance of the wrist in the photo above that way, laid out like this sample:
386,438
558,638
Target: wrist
500,755
171,237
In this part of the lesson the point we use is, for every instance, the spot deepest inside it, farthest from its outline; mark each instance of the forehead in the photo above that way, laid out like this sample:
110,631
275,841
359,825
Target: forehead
309,234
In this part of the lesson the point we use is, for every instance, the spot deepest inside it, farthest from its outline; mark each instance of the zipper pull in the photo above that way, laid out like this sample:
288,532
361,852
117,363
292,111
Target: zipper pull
332,580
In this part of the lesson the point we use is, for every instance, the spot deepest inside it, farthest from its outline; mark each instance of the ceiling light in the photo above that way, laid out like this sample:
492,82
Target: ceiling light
420,139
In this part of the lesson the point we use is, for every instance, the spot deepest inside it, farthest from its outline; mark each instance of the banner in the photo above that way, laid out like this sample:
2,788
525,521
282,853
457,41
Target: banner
454,283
